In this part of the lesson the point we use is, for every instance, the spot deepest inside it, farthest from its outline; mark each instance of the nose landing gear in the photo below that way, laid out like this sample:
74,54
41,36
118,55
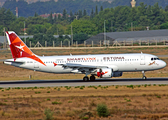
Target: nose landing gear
144,77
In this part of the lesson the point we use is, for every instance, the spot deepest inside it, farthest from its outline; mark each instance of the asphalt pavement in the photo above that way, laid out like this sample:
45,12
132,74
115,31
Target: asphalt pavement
78,82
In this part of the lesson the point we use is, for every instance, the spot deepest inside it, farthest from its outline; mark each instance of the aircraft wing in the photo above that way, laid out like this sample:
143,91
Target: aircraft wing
71,65
81,68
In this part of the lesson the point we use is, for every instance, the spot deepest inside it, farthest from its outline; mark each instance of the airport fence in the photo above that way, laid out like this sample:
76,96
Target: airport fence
107,43
101,43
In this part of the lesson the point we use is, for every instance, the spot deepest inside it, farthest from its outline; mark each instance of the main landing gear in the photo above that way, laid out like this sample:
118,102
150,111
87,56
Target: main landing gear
86,78
92,78
144,77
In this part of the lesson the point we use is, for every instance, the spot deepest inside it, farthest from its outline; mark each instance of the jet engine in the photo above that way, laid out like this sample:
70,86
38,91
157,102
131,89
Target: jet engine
107,73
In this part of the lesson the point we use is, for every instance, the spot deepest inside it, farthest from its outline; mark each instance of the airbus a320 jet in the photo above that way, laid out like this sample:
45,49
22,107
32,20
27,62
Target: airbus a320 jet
101,65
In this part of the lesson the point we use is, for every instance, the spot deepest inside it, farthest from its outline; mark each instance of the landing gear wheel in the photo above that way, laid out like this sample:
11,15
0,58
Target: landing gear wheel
143,74
85,79
92,78
144,77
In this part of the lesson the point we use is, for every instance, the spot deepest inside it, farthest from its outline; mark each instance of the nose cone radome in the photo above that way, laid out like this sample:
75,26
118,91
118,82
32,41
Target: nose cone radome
163,64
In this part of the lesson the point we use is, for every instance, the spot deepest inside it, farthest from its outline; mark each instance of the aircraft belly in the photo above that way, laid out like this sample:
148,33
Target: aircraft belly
129,67
126,67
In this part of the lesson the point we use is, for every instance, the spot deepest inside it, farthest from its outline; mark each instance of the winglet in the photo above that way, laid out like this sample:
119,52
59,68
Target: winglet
19,49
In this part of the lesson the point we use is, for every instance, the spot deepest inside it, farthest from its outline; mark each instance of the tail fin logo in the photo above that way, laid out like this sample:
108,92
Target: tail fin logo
19,49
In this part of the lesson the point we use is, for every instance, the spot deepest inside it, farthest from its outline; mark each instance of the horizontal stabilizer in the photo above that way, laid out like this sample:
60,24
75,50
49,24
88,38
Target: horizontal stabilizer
12,62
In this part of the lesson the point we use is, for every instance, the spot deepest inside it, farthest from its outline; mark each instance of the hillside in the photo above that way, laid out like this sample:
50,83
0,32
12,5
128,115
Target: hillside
33,1
26,9
2,2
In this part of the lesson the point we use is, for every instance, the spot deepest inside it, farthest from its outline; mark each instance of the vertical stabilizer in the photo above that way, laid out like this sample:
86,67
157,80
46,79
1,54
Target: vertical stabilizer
18,48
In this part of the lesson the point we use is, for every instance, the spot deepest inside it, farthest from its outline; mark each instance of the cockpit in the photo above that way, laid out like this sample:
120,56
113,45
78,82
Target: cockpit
154,59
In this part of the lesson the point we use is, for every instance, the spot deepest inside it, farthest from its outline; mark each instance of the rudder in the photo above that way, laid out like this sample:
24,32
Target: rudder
18,48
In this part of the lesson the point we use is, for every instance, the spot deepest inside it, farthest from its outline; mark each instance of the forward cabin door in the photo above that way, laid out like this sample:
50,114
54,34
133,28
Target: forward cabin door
142,60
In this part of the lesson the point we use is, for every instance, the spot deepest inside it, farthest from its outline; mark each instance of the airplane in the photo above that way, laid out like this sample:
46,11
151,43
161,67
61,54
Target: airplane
100,65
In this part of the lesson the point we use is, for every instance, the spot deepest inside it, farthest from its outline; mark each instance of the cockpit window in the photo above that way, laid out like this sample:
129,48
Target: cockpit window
154,59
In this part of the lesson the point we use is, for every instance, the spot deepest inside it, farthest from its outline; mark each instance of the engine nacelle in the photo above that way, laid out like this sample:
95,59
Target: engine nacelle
117,74
105,73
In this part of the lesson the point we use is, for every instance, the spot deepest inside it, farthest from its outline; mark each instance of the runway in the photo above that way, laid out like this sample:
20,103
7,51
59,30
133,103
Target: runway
103,82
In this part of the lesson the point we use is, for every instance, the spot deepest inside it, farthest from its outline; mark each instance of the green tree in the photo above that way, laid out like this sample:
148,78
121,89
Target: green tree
80,14
84,13
36,20
64,14
83,26
142,9
18,25
59,17
156,13
60,38
50,18
101,8
38,37
2,20
80,37
71,16
164,26
52,30
166,8
144,21
96,11
37,28
149,13
92,14
49,38
6,17
133,14
55,18
35,15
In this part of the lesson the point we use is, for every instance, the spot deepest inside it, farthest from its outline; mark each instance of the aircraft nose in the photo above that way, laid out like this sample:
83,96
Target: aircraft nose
163,64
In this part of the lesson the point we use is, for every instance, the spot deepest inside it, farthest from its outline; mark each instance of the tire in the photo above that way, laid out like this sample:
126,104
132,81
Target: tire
144,77
85,79
92,78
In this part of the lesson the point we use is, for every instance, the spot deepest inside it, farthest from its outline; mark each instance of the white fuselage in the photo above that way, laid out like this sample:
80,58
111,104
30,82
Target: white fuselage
118,62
